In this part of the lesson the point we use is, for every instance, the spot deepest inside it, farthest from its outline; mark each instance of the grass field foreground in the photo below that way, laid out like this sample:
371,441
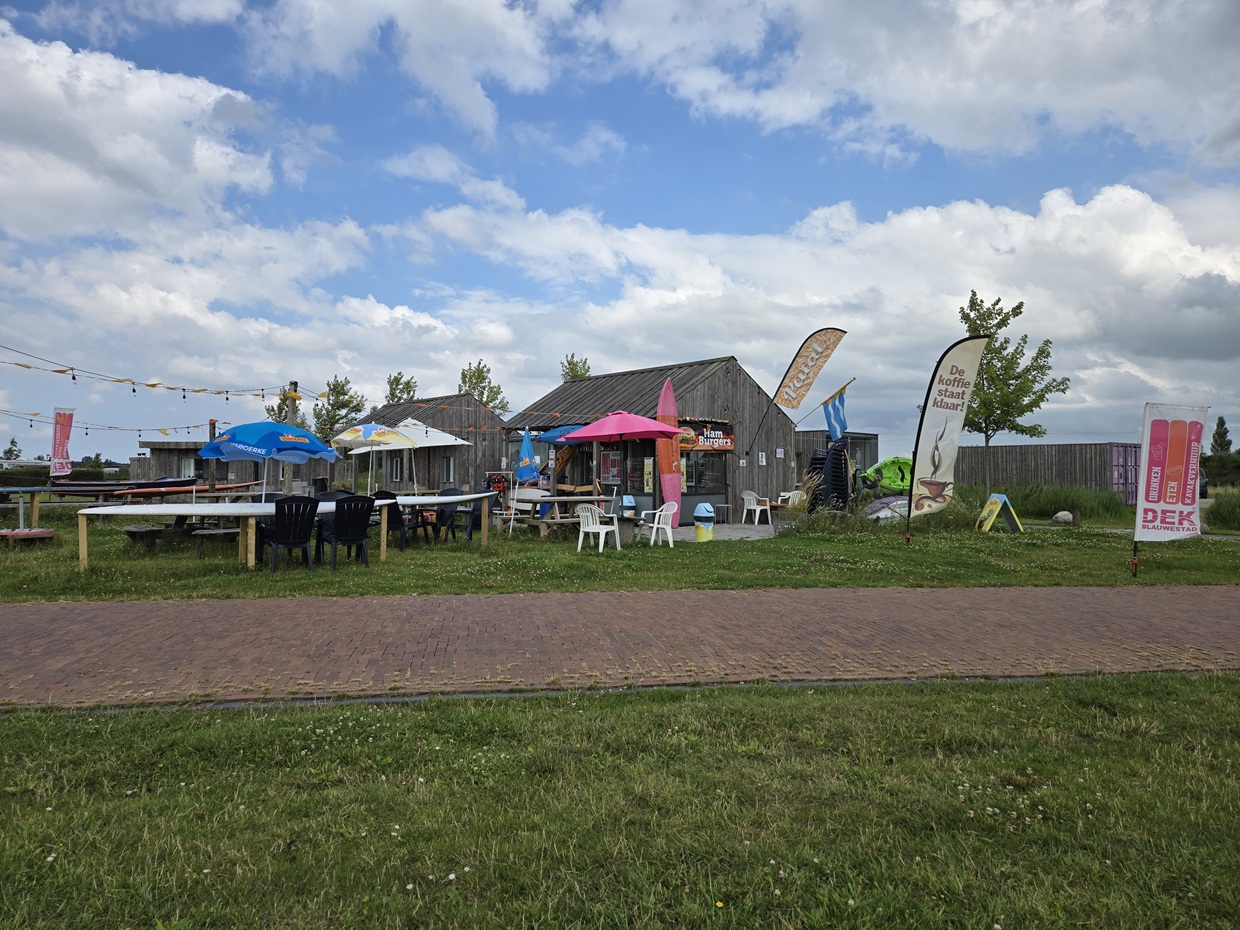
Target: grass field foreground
1059,803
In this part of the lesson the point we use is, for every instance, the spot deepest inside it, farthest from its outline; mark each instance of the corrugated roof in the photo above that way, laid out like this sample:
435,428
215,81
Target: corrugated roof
584,400
423,409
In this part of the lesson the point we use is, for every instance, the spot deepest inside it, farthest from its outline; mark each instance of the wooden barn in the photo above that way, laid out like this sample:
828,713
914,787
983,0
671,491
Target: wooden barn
744,441
1099,466
432,467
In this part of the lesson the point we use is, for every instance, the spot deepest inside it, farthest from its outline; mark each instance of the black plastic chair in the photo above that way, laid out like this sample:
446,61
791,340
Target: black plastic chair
349,528
445,516
398,520
291,528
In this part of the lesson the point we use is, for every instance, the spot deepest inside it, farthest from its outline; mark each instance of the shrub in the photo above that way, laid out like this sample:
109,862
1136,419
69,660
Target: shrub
1223,512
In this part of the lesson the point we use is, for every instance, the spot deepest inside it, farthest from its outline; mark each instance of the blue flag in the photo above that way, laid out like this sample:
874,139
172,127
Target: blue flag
833,408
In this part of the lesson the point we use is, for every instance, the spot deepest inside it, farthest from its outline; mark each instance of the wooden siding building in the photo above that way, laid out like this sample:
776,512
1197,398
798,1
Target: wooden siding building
1099,466
465,467
178,458
744,441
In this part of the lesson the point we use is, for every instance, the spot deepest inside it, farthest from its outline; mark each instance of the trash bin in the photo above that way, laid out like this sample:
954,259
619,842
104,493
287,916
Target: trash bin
628,505
704,522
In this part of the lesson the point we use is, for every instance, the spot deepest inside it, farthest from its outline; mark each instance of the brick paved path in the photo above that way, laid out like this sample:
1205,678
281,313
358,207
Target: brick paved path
75,654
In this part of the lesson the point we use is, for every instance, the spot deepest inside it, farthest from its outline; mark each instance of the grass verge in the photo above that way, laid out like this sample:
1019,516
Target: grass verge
1066,802
945,551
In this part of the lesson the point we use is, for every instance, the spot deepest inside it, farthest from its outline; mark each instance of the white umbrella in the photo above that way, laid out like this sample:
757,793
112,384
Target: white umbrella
423,437
367,437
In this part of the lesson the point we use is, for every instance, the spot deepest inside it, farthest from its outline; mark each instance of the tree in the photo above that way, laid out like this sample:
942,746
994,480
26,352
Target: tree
1007,388
13,452
1220,443
401,390
572,367
476,379
339,407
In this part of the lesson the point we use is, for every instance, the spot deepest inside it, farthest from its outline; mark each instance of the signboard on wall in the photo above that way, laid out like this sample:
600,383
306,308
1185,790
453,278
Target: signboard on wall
609,464
706,436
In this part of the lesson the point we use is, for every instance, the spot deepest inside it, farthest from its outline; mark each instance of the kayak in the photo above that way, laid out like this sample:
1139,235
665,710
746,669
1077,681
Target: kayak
892,475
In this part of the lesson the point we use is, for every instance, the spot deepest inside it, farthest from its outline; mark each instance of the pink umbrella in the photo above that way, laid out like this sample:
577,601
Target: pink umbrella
621,424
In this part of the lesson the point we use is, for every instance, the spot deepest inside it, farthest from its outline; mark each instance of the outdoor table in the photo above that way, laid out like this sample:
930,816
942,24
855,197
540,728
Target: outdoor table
555,516
418,501
21,508
248,514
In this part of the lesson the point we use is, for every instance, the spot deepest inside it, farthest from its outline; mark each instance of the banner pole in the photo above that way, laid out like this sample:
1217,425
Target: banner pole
827,401
1134,558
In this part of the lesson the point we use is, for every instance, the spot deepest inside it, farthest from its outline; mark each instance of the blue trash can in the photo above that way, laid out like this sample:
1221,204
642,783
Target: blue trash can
704,522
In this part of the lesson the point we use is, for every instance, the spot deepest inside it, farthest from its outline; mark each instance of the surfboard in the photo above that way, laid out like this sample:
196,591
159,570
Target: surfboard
667,451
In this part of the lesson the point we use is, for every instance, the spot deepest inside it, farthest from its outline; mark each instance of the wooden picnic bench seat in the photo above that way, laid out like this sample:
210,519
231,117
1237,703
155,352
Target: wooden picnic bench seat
214,532
146,533
27,535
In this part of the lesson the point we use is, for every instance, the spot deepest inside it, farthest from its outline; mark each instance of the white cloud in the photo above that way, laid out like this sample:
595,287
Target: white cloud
91,144
990,76
449,49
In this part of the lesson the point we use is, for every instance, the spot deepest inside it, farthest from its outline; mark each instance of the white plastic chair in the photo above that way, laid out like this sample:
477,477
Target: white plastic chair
795,497
594,520
755,504
661,520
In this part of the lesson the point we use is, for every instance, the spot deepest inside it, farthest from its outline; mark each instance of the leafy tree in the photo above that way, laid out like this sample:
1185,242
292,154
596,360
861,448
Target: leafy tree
339,406
1219,443
476,379
1008,388
572,367
13,452
400,389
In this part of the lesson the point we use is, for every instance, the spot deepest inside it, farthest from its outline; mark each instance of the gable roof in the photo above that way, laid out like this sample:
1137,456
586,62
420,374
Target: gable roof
584,400
449,412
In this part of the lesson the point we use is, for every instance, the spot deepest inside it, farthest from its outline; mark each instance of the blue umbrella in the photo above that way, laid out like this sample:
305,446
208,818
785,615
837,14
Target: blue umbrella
258,442
557,435
527,470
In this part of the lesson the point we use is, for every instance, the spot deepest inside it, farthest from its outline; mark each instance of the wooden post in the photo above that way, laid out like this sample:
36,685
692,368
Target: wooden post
34,509
383,524
486,519
83,561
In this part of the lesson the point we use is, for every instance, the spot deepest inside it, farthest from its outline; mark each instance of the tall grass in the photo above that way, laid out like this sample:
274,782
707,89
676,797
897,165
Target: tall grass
1043,502
1223,512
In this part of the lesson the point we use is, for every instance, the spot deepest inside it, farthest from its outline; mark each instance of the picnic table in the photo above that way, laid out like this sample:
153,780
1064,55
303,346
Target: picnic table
555,511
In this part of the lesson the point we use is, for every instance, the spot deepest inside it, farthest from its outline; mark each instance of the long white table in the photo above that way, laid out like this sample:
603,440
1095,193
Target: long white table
248,514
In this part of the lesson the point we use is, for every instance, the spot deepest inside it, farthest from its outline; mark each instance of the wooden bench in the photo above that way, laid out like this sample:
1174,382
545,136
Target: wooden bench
214,532
145,533
26,535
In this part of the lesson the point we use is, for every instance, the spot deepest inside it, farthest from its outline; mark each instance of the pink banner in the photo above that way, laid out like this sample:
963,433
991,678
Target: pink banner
1170,466
61,426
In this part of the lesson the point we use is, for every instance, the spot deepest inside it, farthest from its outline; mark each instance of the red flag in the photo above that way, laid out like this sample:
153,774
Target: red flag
61,426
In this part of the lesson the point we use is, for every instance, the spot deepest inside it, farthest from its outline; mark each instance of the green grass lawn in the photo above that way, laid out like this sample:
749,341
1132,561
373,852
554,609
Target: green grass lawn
945,551
1095,802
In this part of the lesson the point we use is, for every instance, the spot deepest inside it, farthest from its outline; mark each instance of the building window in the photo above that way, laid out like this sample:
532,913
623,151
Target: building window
189,467
445,469
396,467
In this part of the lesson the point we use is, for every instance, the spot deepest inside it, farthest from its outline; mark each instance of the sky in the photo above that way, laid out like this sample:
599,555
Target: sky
225,196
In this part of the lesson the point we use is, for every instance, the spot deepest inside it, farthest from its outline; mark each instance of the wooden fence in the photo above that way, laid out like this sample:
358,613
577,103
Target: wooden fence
1099,466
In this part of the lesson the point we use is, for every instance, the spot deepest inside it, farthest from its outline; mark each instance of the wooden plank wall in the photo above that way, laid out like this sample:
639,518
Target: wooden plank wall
731,394
1087,465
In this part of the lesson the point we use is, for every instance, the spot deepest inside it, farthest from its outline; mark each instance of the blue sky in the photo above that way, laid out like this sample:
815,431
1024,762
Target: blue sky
225,195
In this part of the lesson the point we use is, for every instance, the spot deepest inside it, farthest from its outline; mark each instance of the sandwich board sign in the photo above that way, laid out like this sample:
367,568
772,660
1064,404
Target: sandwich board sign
999,506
